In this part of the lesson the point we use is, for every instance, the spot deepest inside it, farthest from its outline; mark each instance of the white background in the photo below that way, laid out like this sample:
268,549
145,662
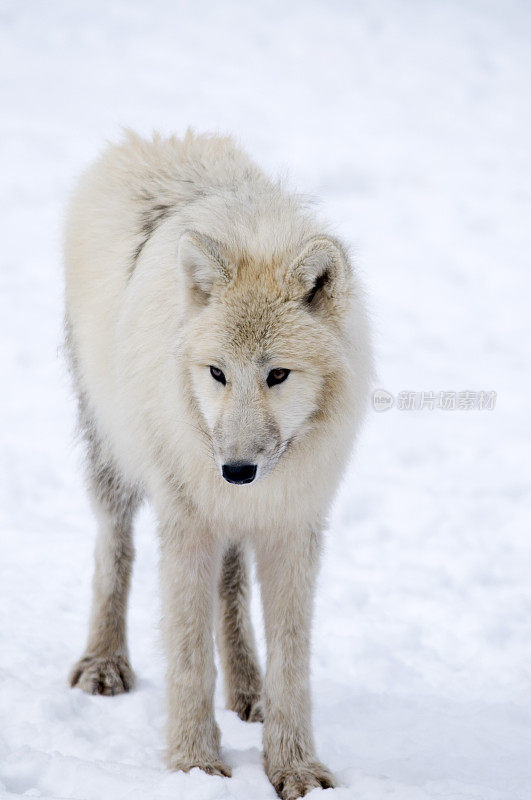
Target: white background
411,122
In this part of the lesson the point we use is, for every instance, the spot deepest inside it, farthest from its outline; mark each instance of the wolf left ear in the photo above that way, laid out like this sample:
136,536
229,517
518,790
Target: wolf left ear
202,264
320,275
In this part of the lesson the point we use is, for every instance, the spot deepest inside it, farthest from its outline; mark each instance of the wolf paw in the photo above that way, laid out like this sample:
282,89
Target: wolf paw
296,781
248,707
107,675
212,766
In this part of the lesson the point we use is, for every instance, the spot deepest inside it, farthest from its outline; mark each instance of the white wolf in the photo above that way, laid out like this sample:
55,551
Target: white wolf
220,348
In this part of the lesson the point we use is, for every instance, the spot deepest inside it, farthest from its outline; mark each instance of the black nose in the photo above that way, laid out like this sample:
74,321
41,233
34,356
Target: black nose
238,472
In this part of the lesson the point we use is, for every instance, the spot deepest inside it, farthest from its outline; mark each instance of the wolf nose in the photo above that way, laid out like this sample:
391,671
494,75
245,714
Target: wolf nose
238,472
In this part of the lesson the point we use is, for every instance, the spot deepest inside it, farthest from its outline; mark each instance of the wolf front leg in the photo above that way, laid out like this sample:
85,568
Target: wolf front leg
287,568
189,569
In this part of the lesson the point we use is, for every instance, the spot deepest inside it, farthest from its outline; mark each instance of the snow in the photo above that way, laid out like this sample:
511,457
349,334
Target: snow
411,122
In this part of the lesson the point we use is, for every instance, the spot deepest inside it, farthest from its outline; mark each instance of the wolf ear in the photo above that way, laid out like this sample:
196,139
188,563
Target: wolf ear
202,264
320,275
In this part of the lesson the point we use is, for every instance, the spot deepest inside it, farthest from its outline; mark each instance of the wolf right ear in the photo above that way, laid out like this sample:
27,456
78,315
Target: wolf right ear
320,275
203,265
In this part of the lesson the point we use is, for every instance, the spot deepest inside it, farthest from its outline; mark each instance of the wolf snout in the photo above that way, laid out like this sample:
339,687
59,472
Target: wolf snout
239,472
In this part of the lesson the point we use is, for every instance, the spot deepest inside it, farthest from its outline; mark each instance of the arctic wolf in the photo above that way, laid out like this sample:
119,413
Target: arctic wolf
220,352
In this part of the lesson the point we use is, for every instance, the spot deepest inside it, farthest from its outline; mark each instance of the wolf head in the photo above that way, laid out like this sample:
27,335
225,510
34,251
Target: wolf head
265,347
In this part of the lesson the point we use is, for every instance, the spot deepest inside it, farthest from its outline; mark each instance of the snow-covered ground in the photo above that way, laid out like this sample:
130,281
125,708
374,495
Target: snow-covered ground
411,121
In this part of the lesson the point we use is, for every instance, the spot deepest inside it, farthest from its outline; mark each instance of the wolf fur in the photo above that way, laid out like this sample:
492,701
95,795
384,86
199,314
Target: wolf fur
181,255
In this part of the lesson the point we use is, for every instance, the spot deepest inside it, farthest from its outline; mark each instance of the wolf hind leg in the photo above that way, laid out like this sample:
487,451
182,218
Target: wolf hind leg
243,681
104,668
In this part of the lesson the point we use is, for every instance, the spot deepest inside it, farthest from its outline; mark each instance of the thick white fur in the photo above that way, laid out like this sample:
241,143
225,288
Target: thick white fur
181,254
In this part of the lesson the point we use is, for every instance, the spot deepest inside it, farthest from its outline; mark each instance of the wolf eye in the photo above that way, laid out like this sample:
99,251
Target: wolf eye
277,376
218,375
